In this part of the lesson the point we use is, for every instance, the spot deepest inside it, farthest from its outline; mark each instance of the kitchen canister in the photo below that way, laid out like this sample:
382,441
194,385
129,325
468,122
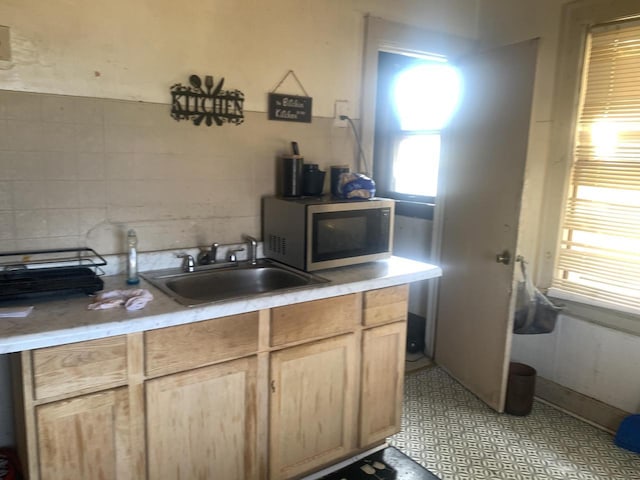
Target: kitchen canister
336,170
291,175
312,180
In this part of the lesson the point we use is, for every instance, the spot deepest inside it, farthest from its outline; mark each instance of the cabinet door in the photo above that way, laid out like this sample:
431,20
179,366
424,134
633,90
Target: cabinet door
312,405
201,424
383,356
85,437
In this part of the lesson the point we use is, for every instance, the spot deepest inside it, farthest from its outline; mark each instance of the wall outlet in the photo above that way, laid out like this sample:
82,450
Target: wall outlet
5,44
341,108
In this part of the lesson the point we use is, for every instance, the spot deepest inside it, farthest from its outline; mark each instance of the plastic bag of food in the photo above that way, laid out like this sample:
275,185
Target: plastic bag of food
356,185
534,313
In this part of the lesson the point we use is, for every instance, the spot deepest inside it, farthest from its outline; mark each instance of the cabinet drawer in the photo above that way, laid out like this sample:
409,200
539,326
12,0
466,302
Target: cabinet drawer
386,305
318,318
173,349
79,367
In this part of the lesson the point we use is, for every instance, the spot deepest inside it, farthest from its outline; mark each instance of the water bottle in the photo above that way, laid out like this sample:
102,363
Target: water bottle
132,258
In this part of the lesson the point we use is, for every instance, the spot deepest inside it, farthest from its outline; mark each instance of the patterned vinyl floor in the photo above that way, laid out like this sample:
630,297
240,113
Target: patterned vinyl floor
457,437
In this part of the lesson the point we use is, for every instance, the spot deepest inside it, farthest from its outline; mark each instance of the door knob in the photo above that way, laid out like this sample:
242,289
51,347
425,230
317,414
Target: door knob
504,257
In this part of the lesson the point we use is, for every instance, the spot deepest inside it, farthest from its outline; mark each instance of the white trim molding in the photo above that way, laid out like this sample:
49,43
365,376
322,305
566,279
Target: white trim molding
385,35
577,17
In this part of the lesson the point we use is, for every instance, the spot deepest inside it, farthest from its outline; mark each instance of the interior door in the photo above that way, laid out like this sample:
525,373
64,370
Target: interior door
482,172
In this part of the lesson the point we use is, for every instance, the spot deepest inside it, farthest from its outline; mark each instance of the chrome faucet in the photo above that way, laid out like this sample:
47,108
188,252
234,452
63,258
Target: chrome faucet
232,254
208,257
253,249
188,264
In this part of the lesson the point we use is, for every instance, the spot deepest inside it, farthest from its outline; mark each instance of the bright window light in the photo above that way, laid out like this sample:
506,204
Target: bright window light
604,136
426,96
415,170
609,195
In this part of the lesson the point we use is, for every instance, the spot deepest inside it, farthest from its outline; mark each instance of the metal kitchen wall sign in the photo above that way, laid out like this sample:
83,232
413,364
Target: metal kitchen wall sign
208,102
290,108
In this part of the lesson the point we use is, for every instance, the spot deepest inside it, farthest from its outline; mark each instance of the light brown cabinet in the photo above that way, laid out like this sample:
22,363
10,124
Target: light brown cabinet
85,437
385,305
200,419
313,407
274,394
73,411
302,322
202,423
383,353
185,347
79,367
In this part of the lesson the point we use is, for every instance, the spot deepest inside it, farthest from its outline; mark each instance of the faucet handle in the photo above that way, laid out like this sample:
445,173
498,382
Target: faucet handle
207,257
204,258
214,252
232,254
188,264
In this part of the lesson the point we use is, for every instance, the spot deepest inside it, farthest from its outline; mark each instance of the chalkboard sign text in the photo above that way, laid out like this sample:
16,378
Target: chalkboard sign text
289,108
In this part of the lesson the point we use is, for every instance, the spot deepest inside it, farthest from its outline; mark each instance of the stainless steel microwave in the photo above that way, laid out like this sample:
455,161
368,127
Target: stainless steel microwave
316,233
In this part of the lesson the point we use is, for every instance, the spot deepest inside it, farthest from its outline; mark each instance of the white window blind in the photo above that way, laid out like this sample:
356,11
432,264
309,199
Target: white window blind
599,255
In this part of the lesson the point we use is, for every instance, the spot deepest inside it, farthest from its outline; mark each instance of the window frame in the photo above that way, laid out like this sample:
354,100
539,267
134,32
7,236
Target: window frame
392,37
578,17
388,134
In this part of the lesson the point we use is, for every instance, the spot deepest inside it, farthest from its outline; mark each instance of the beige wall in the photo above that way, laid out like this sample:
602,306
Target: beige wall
135,50
80,171
94,151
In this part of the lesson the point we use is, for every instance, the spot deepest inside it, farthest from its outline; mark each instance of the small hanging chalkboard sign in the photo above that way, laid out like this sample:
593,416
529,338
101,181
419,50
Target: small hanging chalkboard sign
290,108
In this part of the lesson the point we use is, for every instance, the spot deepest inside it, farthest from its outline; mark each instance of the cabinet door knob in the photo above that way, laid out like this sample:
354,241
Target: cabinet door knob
273,386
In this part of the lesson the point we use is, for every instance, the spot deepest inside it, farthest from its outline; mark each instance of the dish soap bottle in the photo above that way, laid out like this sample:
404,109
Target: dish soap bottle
132,258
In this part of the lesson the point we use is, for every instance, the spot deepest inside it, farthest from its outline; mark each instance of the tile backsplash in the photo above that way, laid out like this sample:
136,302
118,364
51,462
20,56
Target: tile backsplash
78,171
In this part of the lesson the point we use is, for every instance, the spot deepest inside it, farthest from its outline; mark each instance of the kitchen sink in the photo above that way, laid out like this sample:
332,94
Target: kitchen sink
215,283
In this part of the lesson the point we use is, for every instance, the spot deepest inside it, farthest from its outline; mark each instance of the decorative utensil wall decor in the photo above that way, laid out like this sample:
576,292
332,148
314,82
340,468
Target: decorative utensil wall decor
211,103
290,108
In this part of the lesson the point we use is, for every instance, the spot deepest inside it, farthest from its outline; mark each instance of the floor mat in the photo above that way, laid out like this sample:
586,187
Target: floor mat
387,464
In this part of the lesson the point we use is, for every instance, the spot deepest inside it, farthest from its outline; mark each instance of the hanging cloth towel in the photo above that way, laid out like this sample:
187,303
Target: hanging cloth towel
132,299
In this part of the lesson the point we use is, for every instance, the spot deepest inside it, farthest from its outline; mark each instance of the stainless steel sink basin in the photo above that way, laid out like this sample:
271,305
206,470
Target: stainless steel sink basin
224,282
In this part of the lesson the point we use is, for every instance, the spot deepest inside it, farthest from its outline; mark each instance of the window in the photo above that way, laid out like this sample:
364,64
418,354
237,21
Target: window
415,99
599,257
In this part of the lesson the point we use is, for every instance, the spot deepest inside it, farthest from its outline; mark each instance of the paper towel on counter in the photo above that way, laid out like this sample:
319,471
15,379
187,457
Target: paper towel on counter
15,312
132,299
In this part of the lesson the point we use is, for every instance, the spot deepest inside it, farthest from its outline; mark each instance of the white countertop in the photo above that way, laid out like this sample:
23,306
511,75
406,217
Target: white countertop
56,322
